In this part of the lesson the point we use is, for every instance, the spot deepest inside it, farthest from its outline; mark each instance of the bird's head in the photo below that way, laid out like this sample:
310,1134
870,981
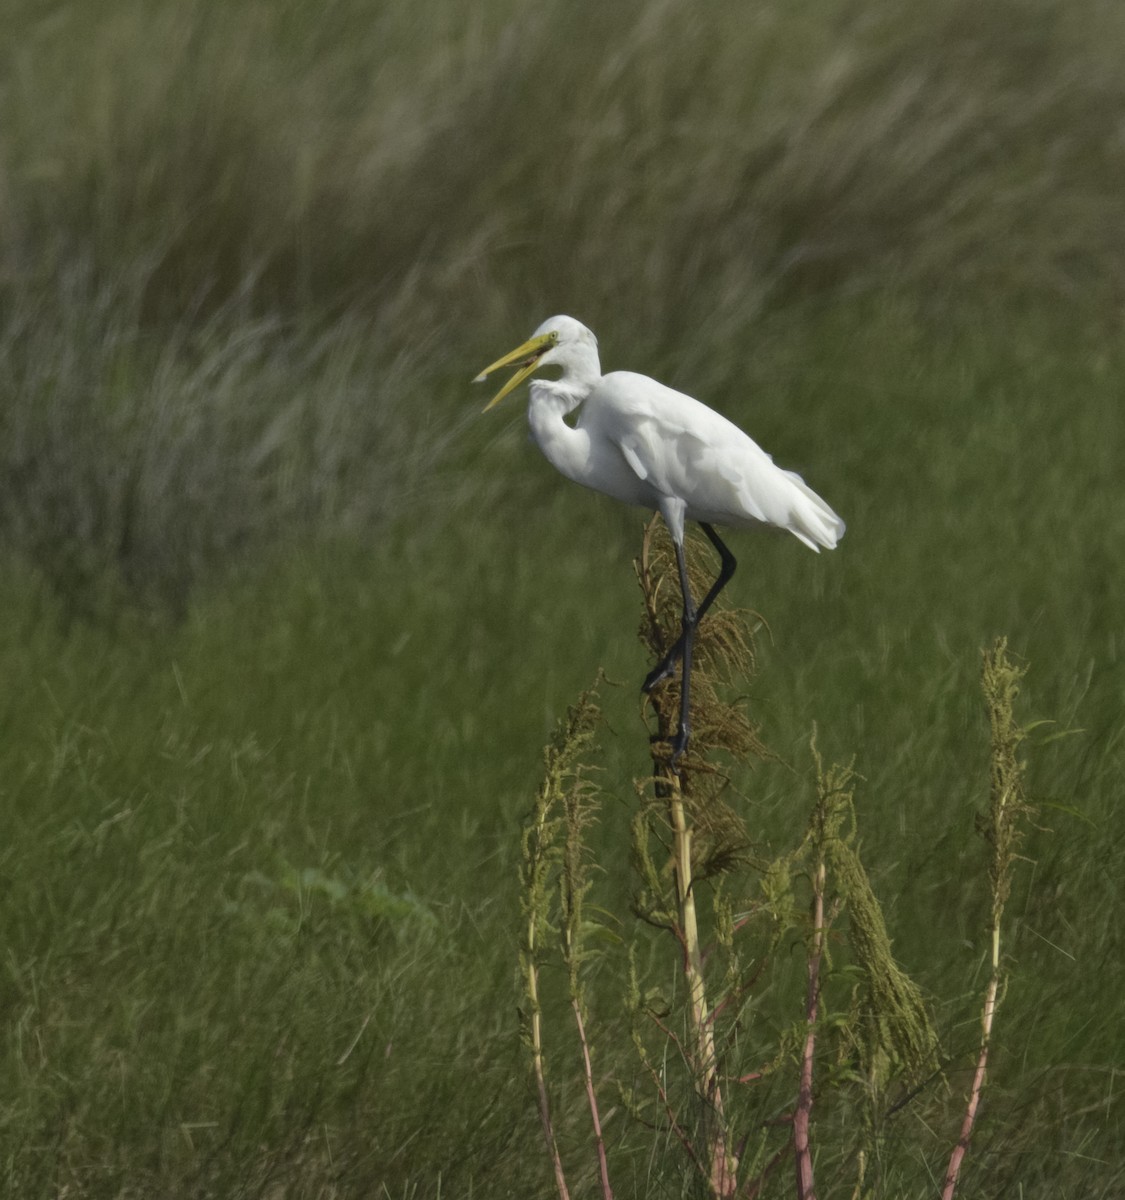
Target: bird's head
560,340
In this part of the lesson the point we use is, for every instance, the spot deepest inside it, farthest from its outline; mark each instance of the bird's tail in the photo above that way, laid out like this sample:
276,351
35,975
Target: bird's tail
812,521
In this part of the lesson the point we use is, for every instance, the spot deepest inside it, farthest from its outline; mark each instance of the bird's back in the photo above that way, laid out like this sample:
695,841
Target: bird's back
677,447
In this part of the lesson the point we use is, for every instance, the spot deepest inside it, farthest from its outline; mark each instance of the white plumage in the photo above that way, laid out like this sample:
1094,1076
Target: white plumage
646,444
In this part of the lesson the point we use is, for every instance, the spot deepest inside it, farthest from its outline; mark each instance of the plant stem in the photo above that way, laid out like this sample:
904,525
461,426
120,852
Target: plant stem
705,1065
592,1099
673,1122
961,1149
1000,682
532,975
806,1187
753,1189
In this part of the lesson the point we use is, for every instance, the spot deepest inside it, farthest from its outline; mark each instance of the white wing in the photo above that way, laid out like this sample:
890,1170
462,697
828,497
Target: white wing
680,449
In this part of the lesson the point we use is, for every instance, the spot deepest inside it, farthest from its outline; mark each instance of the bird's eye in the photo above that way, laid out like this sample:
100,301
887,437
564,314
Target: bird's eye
554,336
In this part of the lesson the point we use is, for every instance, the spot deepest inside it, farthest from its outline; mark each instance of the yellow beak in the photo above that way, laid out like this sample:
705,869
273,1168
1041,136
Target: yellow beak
528,355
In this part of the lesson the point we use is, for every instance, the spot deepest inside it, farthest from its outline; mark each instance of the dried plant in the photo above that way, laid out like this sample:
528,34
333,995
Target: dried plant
685,809
726,907
555,879
1001,828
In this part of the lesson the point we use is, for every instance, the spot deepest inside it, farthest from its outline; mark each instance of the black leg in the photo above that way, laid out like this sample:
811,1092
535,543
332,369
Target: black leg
667,664
727,564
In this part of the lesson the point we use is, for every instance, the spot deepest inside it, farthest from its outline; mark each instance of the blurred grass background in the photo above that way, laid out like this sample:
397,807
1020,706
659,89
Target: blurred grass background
285,624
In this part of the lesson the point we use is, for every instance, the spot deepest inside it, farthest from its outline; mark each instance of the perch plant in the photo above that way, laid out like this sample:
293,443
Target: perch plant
685,804
861,1034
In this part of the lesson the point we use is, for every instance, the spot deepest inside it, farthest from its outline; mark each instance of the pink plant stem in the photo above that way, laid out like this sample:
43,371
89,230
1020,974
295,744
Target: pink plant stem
673,1123
959,1151
754,1187
549,1133
592,1099
806,1187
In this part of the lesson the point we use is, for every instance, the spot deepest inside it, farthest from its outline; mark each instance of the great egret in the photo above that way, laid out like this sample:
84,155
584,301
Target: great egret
643,443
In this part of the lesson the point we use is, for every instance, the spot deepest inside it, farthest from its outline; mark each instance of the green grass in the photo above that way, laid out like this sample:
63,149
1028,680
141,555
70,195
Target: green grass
284,624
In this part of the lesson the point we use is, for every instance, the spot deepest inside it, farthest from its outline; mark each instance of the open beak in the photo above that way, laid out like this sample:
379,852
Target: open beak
527,355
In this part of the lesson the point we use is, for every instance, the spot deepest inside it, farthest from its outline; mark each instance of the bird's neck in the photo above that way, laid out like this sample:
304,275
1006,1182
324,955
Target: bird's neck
567,448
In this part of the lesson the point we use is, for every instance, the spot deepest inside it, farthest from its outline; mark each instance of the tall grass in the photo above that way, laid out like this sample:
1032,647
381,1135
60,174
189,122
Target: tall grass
138,462
409,185
584,151
258,875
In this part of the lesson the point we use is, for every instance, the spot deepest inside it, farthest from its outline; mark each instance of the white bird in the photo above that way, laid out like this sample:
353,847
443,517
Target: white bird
643,443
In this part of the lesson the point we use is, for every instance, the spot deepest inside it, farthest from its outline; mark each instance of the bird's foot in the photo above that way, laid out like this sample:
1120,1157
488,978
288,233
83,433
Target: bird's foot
660,672
679,745
664,667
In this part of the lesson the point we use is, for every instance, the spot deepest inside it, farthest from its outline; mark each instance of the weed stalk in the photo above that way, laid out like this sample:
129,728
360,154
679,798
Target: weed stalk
574,883
688,795
1001,830
552,855
708,1084
802,1151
